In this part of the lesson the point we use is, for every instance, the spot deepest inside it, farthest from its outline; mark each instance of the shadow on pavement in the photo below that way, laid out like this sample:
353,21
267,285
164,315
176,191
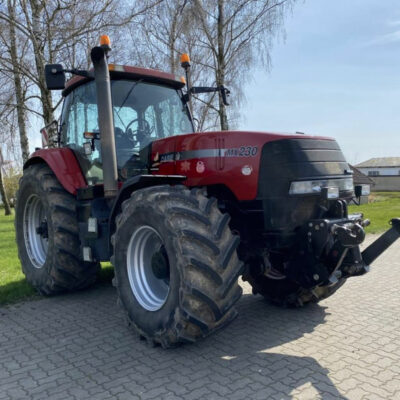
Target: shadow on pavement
245,349
77,345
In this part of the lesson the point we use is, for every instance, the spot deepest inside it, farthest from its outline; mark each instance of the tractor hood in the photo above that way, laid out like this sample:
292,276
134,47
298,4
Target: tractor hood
238,159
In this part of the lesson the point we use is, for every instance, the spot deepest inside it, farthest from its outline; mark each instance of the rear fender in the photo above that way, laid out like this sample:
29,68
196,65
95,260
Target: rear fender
64,164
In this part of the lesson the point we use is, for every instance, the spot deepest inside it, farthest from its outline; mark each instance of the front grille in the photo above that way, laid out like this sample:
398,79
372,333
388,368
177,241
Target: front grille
289,160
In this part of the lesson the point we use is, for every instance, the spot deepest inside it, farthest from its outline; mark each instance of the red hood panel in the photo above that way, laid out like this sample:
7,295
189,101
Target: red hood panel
230,158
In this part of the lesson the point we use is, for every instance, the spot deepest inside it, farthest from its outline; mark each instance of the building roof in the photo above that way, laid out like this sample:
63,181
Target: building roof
359,178
380,162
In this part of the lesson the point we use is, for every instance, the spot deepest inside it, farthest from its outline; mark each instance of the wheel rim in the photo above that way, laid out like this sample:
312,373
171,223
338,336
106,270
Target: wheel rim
148,268
35,231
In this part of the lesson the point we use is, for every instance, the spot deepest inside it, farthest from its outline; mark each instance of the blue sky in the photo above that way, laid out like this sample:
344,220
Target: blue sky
337,74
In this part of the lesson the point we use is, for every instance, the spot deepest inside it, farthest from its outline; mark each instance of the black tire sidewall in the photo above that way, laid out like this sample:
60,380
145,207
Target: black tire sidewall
37,276
148,321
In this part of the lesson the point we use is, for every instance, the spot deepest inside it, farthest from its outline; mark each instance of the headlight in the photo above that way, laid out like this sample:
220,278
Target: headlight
315,186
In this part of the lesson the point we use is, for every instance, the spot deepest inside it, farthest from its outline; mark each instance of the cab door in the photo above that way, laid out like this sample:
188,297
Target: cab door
80,115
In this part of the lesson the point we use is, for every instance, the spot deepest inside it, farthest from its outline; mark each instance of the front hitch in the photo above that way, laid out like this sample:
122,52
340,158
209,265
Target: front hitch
374,250
349,236
332,251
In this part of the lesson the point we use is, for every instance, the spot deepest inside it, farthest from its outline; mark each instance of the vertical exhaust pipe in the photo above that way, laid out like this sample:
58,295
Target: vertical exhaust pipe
106,122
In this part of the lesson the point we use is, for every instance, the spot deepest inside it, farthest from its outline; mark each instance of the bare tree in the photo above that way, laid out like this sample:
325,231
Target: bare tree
164,34
6,135
158,42
7,208
238,35
225,40
20,92
58,30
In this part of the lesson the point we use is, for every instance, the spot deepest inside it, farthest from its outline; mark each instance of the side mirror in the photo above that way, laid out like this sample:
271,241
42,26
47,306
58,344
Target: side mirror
55,76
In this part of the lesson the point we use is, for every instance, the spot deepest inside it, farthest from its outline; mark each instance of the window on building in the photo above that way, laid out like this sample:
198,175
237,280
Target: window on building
373,173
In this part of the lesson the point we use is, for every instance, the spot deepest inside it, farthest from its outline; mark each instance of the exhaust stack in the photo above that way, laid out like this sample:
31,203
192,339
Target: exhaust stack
106,122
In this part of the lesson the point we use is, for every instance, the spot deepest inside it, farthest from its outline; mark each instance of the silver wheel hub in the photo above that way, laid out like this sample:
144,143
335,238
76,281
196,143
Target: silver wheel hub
148,268
35,231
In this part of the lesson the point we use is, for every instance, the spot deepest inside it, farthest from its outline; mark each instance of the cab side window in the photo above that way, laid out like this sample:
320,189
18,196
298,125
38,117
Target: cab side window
79,116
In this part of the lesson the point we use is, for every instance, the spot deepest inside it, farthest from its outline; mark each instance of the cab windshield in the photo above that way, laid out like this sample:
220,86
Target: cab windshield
143,112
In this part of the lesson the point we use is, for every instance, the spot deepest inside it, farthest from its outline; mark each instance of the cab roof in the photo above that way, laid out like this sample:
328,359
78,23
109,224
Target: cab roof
129,72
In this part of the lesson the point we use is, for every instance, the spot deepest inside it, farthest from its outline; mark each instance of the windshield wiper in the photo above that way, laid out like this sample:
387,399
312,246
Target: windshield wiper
126,98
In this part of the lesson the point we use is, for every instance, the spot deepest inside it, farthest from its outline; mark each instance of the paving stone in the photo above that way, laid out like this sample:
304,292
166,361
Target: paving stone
76,346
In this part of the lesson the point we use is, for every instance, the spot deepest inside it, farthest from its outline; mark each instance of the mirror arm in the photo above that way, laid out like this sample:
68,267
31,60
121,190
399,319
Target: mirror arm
185,98
206,89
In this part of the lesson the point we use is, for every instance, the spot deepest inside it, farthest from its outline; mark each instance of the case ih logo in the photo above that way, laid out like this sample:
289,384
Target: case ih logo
167,157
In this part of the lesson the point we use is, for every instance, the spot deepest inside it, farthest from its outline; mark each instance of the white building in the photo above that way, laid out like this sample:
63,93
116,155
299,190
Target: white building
380,166
385,172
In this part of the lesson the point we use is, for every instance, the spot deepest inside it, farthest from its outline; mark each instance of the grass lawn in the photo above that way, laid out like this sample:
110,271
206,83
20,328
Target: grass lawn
382,207
13,286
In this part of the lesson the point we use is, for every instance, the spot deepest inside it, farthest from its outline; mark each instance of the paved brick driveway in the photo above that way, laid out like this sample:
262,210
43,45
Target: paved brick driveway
78,347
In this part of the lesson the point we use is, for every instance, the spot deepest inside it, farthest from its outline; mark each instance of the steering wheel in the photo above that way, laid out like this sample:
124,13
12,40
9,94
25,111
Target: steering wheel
140,134
124,139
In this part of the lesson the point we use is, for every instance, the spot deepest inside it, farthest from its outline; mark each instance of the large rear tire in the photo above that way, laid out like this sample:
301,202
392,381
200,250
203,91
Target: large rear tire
283,292
176,267
47,234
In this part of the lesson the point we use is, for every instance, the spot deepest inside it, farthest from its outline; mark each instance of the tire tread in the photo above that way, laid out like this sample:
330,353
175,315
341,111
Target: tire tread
208,283
66,271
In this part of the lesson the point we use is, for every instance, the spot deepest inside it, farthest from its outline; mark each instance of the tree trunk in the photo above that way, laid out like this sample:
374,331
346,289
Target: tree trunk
19,94
220,70
38,48
3,194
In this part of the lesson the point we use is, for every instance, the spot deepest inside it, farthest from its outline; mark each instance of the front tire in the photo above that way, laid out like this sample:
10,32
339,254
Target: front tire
176,267
47,234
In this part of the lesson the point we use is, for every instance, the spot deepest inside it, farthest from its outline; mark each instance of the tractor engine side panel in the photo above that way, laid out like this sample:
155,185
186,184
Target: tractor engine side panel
229,158
220,158
64,164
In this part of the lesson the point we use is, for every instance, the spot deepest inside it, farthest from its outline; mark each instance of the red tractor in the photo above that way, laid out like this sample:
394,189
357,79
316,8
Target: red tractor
182,214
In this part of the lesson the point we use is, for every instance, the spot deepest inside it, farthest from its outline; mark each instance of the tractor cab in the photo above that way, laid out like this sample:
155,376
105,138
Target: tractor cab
147,105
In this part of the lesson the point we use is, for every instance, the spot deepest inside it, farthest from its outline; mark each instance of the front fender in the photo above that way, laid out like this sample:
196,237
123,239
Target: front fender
139,182
64,164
